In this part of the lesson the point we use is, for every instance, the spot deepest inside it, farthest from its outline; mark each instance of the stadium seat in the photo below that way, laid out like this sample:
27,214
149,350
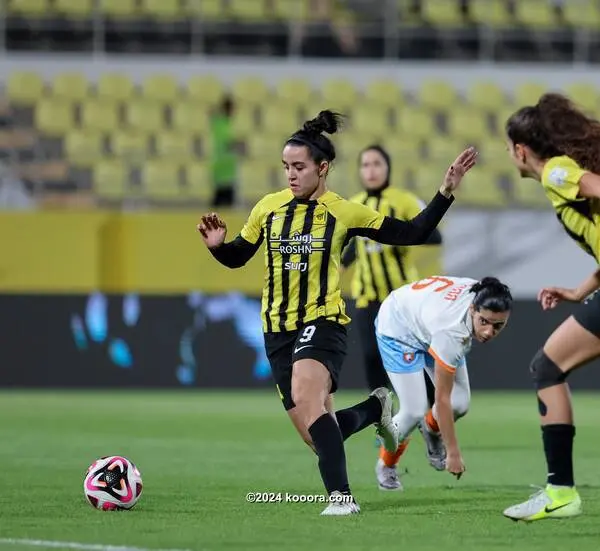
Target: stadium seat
119,9
467,125
445,13
131,146
53,117
437,95
256,180
294,92
537,14
160,179
114,87
486,96
344,179
370,120
191,118
24,88
83,149
244,121
528,93
502,115
145,115
481,187
197,180
338,94
250,90
29,8
110,179
160,88
207,9
443,150
74,9
403,150
70,86
527,192
415,122
296,10
584,15
491,13
386,93
166,10
264,146
205,89
99,115
585,95
280,118
494,153
248,10
176,146
349,145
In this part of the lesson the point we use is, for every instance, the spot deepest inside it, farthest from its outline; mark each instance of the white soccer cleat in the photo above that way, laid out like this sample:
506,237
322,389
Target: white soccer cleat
386,429
387,477
548,503
436,451
341,505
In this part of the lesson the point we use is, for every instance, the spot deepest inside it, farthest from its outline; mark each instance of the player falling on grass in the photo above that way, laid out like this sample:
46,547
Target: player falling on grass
556,144
305,228
379,269
429,326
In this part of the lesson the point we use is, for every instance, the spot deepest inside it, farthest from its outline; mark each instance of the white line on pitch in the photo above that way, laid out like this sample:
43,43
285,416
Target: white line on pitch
75,545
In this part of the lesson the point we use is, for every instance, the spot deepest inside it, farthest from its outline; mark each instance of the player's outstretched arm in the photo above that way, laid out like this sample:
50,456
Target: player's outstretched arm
549,297
233,254
444,381
418,230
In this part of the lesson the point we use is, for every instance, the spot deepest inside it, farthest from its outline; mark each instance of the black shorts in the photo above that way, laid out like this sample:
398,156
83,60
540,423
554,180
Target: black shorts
321,340
588,314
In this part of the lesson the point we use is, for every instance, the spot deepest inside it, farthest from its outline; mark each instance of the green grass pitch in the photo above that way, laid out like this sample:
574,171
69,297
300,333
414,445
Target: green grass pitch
200,453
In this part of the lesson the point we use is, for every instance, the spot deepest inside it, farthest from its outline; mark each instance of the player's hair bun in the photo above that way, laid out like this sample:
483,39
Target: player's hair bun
492,294
326,121
486,282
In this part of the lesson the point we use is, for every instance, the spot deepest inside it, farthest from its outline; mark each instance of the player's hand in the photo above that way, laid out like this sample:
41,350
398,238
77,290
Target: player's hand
455,465
549,297
212,229
454,175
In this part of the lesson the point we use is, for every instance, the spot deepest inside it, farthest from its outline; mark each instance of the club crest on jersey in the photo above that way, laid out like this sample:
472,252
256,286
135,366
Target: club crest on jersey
320,217
558,176
408,357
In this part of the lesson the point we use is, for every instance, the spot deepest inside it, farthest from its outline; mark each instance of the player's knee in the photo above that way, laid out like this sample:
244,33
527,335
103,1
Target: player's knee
460,405
545,372
414,415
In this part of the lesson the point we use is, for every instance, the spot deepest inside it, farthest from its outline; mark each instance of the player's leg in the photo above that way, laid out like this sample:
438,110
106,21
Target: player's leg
365,323
575,342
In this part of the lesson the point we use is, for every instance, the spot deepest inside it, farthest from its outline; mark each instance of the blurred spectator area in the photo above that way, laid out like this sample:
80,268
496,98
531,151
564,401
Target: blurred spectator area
502,30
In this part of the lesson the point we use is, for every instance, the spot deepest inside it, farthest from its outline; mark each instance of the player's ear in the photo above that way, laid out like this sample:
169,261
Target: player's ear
323,168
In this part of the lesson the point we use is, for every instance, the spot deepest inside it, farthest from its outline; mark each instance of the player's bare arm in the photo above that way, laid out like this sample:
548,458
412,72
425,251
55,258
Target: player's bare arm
549,297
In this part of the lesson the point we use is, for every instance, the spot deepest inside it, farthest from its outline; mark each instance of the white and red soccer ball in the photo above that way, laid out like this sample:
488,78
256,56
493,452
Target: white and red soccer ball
113,483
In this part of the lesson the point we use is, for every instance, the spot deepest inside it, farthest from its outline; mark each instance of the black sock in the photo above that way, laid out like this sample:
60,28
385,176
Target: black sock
558,447
356,418
328,442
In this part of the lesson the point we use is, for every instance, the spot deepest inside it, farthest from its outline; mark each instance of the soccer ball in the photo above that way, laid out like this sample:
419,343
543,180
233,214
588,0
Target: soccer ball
112,483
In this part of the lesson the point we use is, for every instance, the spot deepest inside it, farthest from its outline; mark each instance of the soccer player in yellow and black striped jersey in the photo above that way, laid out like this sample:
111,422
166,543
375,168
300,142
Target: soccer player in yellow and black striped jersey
556,144
379,269
305,228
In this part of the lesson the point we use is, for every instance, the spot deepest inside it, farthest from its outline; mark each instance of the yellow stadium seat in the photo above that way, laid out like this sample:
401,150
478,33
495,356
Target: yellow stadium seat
98,115
191,118
70,86
294,91
481,187
29,8
166,10
130,145
580,15
74,9
197,181
248,10
114,87
538,14
175,146
528,93
467,125
370,120
343,178
207,90
160,88
527,192
437,95
160,179
296,10
404,150
145,115
264,146
83,149
494,153
443,149
486,95
24,88
442,13
492,13
255,180
502,116
119,9
280,119
54,118
244,121
250,90
110,179
349,145
585,95
416,123
207,9
384,92
338,94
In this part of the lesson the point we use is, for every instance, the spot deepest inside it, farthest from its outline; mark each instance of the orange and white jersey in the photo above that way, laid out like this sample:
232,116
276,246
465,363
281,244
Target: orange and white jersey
431,315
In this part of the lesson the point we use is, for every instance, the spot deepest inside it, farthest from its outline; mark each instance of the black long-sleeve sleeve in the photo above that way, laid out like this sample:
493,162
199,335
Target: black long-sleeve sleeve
435,238
412,232
349,254
235,253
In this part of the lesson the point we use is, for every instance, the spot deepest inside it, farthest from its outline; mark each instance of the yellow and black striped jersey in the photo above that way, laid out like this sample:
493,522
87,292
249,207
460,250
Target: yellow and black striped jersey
304,241
579,216
379,269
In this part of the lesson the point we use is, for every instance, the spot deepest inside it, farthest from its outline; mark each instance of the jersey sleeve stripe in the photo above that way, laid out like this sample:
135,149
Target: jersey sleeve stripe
447,367
270,267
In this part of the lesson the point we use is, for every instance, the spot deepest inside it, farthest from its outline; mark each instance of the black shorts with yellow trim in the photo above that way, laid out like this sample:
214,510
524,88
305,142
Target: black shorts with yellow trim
321,340
588,314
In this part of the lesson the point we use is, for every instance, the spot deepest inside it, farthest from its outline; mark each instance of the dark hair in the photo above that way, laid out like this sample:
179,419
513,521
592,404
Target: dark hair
491,294
554,127
386,158
311,135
